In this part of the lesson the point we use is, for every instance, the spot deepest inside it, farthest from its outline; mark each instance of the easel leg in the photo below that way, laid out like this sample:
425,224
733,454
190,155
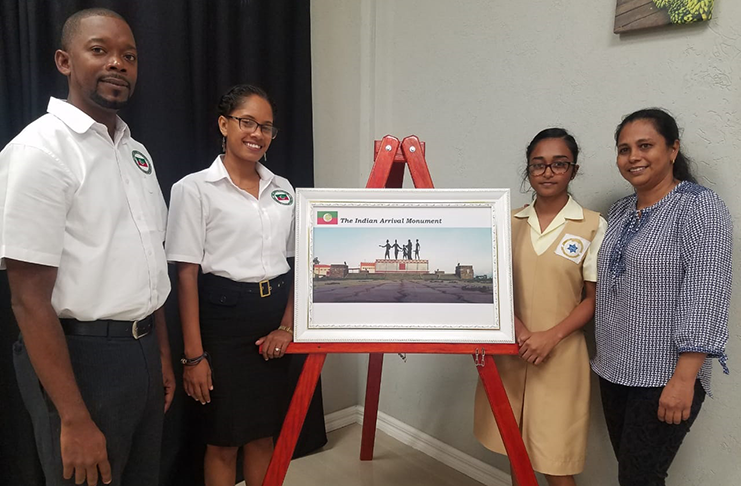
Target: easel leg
370,415
294,420
396,176
412,149
521,467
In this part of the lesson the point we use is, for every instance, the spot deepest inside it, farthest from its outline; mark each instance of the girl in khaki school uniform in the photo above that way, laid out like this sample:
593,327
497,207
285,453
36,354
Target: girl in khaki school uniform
554,249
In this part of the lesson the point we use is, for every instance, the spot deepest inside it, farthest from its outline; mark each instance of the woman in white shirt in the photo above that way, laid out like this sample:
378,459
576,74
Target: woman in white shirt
234,222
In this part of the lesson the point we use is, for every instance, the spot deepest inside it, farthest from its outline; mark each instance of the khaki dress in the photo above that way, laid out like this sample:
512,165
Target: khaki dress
550,401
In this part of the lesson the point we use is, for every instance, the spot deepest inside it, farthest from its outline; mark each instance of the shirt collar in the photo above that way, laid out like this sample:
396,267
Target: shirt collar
217,171
264,173
572,210
77,120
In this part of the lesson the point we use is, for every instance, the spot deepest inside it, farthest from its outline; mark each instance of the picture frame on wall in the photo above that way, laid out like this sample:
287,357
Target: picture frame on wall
633,15
403,265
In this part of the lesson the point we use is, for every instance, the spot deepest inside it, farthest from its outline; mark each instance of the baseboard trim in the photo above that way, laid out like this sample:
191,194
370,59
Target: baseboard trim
416,439
343,418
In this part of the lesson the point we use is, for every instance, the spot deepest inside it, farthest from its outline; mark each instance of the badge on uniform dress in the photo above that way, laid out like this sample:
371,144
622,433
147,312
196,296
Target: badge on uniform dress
573,248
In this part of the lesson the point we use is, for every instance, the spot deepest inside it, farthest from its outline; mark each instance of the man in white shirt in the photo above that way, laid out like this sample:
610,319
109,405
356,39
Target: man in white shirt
81,236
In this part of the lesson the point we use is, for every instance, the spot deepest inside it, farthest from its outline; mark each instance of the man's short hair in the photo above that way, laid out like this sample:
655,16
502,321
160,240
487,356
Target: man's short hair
72,24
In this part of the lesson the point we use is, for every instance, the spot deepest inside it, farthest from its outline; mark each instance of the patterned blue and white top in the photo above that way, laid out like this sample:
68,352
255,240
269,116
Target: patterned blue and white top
663,287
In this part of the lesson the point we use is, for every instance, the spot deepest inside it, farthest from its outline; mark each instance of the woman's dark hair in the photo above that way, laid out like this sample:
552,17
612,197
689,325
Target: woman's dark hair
236,95
666,125
544,135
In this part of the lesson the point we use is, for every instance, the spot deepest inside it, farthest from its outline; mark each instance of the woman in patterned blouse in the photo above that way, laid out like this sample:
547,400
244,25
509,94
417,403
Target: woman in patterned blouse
663,291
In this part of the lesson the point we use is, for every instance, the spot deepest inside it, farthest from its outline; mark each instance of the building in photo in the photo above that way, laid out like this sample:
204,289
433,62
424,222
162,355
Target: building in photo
402,266
321,270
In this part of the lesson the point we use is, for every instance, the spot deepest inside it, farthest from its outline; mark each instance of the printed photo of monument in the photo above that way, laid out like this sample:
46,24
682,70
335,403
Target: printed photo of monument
397,265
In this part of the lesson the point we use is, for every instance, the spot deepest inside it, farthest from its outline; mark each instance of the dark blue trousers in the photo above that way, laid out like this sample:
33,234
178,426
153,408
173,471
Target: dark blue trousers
120,380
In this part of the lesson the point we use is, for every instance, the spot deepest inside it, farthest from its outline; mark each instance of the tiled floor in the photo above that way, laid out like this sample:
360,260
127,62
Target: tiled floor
394,464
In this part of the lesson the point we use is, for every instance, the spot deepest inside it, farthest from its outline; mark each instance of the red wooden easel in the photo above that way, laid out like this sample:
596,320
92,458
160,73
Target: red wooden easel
391,156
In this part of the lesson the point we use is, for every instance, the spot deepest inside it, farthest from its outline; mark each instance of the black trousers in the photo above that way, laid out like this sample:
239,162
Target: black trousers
120,380
644,446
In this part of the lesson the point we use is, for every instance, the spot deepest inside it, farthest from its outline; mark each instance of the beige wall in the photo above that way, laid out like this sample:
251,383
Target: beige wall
475,80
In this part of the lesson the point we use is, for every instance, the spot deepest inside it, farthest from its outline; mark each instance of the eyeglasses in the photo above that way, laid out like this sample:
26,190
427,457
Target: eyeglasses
558,168
250,125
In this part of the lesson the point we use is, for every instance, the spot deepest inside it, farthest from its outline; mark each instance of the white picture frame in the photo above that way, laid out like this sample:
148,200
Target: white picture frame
455,286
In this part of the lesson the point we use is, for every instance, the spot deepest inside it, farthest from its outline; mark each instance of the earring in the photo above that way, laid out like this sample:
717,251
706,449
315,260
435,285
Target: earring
672,161
265,156
223,145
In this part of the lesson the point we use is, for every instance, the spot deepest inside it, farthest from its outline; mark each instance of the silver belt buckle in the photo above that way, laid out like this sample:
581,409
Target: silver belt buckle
135,330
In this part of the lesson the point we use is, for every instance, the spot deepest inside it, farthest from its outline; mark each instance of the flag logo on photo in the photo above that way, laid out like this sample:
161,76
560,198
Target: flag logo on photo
326,217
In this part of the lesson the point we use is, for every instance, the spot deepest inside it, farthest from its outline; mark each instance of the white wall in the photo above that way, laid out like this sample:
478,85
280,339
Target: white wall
475,80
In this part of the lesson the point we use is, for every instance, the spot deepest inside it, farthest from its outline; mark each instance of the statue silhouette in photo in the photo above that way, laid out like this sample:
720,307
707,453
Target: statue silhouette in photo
396,248
387,246
416,250
409,249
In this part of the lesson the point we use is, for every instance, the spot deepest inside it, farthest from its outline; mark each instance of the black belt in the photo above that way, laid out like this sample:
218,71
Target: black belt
264,287
108,327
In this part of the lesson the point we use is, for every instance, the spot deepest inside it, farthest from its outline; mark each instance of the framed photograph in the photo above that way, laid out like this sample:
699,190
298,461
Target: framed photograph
403,265
646,14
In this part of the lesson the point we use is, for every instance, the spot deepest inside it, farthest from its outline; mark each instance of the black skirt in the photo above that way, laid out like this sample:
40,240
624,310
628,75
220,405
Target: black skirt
249,394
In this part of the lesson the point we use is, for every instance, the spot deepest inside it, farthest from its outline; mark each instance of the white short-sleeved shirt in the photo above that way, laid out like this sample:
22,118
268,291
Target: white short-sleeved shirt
72,198
228,231
542,240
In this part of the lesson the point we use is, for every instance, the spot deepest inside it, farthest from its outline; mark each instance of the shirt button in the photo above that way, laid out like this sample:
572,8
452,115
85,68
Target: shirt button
222,299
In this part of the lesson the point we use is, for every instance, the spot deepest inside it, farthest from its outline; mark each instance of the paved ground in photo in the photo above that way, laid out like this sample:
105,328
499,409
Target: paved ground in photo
410,291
